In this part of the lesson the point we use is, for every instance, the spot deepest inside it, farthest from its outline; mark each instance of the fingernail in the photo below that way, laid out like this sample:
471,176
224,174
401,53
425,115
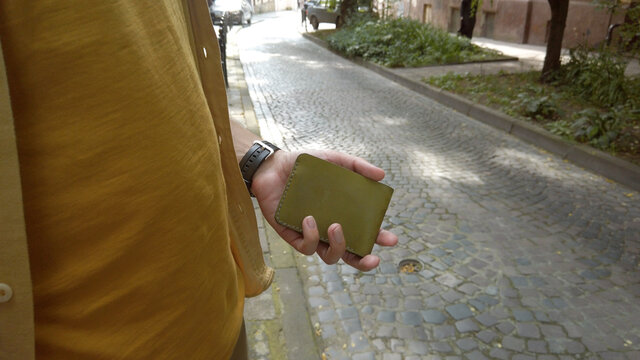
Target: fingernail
338,235
311,222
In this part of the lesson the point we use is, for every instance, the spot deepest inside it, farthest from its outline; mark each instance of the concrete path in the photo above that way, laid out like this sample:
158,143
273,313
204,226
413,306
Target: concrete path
523,255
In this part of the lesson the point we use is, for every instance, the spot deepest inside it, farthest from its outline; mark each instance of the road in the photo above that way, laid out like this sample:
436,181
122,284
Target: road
523,255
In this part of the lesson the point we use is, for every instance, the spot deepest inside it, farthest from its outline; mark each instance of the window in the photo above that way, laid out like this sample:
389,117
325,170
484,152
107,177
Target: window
487,27
426,13
454,20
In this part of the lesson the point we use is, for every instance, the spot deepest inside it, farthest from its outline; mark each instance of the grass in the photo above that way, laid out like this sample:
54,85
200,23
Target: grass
554,107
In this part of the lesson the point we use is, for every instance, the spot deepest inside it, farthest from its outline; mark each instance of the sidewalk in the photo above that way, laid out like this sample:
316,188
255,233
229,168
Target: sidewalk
277,321
530,57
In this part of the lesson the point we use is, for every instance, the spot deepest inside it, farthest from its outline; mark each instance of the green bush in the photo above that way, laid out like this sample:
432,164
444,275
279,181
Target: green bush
404,43
599,129
599,77
537,106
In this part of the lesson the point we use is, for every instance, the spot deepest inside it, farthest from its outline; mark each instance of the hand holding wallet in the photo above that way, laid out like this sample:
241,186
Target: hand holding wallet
333,194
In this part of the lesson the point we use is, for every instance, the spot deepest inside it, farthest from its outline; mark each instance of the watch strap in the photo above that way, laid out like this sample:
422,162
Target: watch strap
251,161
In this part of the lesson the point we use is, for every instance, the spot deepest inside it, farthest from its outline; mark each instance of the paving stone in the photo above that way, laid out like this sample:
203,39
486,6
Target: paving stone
413,304
513,343
475,355
506,328
497,353
522,315
379,345
541,316
418,347
459,311
405,332
574,347
491,290
388,356
397,345
358,342
448,280
367,310
433,316
527,330
385,331
316,291
387,316
347,313
573,330
552,331
486,336
468,288
326,316
411,318
537,346
443,332
364,356
477,304
523,357
452,296
442,347
466,325
351,325
328,331
594,344
466,344
486,319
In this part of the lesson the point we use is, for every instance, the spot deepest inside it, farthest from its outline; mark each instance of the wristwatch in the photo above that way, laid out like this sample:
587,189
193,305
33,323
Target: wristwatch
251,161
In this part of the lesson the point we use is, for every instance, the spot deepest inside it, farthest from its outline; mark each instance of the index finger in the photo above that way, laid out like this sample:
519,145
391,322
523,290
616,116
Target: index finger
356,164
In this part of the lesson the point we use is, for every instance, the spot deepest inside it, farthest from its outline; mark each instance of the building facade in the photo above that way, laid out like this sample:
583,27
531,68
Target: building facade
518,21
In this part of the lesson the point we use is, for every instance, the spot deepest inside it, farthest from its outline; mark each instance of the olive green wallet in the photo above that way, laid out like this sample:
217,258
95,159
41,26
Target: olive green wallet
333,194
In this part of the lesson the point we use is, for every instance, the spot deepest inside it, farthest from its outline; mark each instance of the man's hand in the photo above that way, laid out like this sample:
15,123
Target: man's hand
268,185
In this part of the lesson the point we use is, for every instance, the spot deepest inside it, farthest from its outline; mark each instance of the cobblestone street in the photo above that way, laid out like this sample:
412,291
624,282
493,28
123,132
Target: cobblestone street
522,255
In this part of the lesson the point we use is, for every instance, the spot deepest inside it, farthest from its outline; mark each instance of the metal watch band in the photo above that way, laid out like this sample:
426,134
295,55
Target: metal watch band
251,161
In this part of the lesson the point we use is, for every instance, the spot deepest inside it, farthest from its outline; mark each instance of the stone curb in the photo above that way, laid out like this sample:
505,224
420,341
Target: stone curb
589,158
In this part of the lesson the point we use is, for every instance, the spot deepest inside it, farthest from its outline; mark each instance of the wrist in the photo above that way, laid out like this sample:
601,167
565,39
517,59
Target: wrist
255,157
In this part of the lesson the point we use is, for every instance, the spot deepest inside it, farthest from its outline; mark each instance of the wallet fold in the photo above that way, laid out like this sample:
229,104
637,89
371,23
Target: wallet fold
333,194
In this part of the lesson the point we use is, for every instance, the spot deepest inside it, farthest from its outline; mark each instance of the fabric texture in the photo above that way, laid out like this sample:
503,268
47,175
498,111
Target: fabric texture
16,340
141,235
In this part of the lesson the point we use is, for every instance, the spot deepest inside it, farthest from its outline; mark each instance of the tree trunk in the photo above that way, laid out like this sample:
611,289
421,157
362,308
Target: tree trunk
347,7
467,18
559,10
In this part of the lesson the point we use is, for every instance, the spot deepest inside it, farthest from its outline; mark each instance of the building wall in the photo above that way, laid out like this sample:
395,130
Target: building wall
263,6
519,21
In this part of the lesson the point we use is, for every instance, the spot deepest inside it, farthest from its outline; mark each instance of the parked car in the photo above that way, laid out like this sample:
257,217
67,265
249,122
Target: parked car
323,11
328,11
239,12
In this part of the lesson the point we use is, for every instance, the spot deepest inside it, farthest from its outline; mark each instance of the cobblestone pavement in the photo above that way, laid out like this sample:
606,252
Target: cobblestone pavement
523,255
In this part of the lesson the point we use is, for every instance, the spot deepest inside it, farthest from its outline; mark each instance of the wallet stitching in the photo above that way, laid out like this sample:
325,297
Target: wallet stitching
283,199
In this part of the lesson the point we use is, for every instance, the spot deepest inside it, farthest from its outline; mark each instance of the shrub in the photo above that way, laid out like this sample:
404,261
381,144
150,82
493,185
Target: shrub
599,77
539,107
404,43
599,129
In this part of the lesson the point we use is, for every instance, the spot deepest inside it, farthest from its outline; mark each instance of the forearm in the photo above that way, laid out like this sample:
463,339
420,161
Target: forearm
242,139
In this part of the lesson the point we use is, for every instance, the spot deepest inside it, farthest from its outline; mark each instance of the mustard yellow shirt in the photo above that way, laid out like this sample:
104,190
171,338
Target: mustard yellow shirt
141,236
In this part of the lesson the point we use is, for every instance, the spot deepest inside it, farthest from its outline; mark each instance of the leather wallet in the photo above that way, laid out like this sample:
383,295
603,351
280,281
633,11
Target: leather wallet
333,194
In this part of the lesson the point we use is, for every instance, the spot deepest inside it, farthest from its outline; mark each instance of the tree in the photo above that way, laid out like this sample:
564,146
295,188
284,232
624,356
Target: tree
468,9
347,8
559,11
